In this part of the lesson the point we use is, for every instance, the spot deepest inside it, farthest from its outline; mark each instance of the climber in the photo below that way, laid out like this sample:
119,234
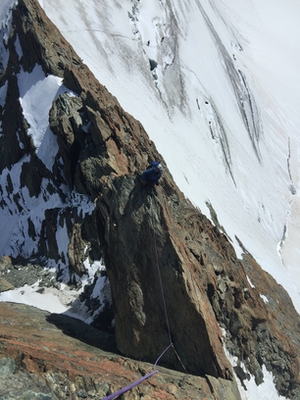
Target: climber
152,174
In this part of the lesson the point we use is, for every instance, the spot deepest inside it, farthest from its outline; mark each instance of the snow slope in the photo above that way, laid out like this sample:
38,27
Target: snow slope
216,86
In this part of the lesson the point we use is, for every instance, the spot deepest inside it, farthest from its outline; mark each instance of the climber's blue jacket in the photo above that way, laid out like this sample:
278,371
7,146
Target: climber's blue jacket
152,173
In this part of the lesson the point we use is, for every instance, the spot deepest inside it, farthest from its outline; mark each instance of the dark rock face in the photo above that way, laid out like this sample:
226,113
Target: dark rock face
146,237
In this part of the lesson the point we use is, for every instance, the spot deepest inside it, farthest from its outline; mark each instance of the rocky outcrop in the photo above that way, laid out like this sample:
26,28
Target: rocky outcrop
149,238
118,150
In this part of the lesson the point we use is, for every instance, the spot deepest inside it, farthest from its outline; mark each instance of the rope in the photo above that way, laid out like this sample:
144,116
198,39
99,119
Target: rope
163,293
166,349
131,386
159,272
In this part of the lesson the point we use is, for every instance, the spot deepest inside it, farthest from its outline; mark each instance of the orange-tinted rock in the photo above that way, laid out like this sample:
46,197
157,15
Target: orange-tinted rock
64,358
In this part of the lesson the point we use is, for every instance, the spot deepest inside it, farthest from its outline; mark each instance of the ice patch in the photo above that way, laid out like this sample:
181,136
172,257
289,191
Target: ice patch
37,92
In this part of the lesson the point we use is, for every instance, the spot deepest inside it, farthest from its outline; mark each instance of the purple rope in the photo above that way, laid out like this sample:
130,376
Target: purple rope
163,296
159,275
166,349
129,387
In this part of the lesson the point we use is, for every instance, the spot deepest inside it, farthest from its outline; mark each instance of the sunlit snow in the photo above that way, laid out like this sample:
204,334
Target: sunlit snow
252,185
249,390
37,93
63,299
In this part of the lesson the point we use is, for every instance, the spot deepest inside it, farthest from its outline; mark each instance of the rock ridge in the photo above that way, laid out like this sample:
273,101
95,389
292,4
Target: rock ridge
50,356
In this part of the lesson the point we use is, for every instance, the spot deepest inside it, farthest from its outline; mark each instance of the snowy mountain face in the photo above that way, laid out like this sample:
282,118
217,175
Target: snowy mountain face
215,84
208,81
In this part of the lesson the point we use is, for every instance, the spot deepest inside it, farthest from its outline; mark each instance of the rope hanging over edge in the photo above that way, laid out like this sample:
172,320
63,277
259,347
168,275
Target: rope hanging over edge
162,290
